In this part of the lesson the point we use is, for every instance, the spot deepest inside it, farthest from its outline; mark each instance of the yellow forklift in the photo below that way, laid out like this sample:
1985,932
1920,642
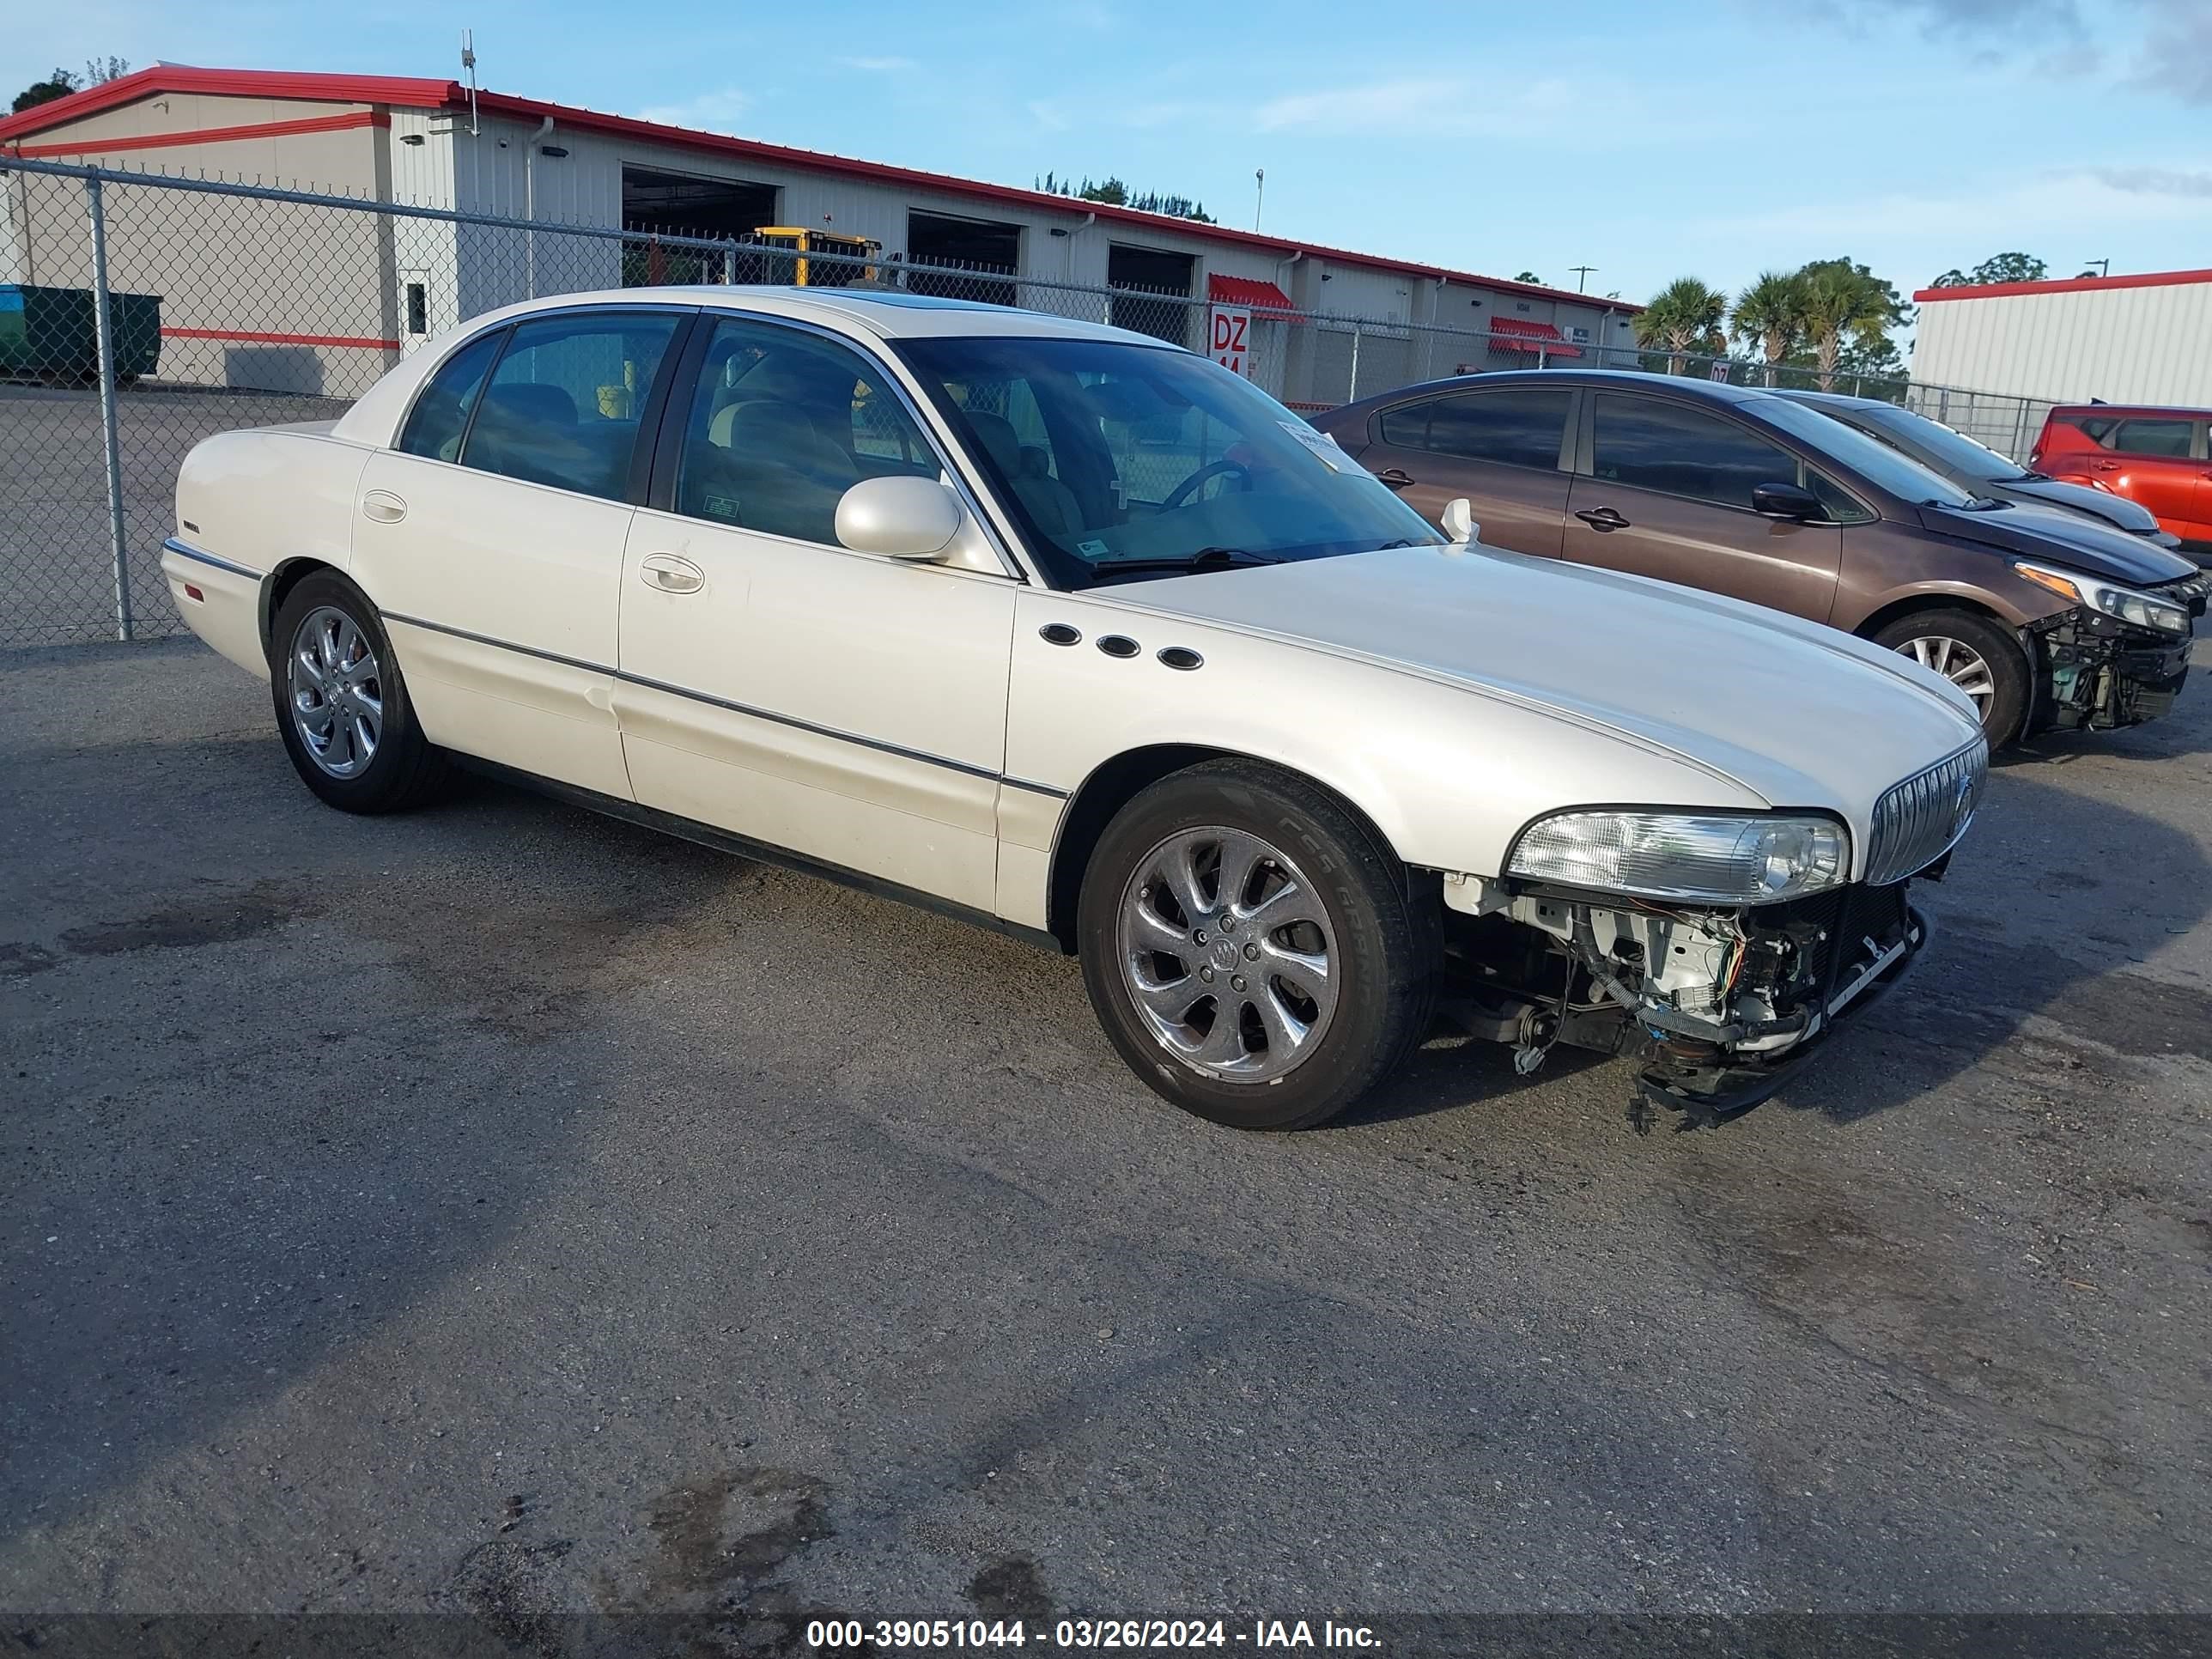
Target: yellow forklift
839,262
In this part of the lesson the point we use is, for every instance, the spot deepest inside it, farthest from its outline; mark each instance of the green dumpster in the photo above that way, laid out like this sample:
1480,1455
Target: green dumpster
47,333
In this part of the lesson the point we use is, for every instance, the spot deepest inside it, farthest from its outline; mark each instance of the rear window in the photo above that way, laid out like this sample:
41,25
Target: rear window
2168,438
1518,429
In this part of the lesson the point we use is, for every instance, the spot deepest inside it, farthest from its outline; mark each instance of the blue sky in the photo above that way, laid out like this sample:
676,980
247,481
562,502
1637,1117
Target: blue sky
1648,140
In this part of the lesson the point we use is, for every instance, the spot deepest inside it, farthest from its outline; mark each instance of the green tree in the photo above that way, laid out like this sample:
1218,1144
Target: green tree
59,84
1681,318
1529,277
1997,268
1113,192
1845,304
1771,315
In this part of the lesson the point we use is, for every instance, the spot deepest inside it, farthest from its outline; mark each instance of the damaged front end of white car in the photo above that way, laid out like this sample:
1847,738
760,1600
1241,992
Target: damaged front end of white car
1718,949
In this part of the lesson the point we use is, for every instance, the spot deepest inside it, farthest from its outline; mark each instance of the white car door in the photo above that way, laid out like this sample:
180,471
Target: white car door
491,539
847,707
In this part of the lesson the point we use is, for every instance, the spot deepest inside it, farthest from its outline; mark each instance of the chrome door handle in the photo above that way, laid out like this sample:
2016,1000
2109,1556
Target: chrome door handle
1396,477
383,506
671,574
1602,518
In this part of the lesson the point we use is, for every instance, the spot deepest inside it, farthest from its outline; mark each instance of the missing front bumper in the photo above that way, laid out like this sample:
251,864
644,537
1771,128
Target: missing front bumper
1706,1086
2098,674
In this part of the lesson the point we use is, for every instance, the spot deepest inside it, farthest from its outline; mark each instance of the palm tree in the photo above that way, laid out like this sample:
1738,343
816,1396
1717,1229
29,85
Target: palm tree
1840,300
1770,314
1683,317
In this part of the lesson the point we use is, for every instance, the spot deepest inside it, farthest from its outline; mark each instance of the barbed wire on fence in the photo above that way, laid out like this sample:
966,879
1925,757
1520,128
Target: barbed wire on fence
145,312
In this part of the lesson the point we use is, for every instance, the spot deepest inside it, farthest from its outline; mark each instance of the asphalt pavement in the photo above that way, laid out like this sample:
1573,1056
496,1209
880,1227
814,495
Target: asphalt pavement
500,1213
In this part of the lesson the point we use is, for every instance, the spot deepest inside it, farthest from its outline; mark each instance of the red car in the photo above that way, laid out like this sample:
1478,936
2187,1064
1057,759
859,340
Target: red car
2154,457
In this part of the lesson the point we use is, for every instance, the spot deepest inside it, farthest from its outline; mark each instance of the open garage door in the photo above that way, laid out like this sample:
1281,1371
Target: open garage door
973,245
1151,274
685,204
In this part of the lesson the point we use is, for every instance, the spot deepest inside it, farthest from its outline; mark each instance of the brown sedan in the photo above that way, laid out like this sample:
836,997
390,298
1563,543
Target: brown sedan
2044,623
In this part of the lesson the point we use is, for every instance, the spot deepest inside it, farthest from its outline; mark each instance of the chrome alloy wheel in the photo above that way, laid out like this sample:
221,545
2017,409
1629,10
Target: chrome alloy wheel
336,692
1957,662
1225,951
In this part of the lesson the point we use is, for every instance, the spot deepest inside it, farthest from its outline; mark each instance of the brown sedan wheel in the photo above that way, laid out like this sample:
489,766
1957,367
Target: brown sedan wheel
1975,653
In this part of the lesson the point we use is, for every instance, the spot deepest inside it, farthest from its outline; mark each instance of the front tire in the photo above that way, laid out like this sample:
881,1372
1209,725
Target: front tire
1253,952
1975,655
342,705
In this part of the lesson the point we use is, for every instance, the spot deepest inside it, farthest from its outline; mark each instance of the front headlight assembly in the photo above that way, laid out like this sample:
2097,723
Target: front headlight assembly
2122,603
1695,859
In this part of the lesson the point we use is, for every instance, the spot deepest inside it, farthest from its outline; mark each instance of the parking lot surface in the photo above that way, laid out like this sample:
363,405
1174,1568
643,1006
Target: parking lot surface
499,1211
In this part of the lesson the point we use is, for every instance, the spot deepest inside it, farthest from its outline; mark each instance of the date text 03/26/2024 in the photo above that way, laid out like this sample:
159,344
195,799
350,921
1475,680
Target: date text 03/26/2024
883,1635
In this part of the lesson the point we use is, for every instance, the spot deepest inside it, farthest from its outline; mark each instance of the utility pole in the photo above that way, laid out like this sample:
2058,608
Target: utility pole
1258,195
1581,275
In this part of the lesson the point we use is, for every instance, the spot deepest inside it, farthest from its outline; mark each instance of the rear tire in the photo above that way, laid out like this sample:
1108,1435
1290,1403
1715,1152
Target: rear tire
1232,890
342,705
1976,655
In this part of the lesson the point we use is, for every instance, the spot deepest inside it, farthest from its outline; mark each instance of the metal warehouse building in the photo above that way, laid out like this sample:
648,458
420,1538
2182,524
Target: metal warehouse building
2140,339
317,321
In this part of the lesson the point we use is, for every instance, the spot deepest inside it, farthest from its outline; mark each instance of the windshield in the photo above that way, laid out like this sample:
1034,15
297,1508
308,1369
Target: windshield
1949,447
1885,468
1123,460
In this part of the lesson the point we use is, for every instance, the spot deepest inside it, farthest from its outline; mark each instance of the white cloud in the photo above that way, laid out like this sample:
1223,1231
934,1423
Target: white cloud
2177,53
1581,114
710,111
1363,105
2155,181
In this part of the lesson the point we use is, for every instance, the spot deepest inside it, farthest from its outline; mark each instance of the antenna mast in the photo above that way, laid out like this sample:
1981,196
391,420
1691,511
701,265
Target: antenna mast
468,63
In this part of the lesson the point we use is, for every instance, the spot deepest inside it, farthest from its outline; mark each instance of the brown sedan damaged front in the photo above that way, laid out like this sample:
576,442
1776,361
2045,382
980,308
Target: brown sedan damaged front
2097,673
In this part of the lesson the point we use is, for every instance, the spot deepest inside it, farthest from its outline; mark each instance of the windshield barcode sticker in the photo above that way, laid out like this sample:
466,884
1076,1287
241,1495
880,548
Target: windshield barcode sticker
1320,442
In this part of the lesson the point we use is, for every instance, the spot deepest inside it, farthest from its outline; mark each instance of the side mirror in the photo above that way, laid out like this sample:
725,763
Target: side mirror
1459,519
903,517
1785,501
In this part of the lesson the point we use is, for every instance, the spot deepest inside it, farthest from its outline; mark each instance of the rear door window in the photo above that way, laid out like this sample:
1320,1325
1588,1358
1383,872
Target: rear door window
2167,438
441,413
1652,443
563,406
1521,427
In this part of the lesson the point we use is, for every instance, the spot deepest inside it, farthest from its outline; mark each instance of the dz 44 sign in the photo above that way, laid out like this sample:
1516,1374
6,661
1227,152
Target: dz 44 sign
1232,330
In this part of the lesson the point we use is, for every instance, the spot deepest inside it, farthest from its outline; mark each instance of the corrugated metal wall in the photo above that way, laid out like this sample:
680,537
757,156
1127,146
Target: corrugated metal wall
2146,344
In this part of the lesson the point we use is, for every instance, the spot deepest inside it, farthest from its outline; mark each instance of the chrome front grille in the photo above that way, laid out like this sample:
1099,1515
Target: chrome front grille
1917,822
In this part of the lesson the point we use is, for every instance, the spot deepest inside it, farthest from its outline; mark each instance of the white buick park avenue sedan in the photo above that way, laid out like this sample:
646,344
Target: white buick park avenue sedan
1076,634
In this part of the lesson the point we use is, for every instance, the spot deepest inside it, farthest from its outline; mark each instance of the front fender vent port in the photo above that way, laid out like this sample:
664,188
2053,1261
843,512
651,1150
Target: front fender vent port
1119,645
1181,656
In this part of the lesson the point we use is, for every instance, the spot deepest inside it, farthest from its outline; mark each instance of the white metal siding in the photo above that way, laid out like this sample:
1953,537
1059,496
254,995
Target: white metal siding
2150,344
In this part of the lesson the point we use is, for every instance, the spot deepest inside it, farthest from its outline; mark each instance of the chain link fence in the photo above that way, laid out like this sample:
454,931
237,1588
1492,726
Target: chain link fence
140,313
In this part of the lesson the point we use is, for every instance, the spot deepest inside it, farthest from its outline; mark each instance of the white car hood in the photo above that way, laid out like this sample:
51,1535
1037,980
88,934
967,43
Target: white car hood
1797,713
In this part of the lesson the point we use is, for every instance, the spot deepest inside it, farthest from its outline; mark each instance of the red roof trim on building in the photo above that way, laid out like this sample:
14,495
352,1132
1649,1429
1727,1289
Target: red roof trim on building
2068,285
405,92
408,93
351,119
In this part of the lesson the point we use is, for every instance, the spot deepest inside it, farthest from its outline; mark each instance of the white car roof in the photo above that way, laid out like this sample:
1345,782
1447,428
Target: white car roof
888,314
